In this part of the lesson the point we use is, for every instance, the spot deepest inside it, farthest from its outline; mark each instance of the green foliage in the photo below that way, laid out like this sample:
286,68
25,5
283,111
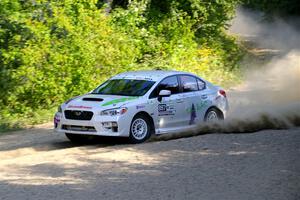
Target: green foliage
208,17
67,49
170,41
53,50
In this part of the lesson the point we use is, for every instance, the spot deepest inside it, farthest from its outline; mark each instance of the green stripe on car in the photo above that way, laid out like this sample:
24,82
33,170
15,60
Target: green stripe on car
120,100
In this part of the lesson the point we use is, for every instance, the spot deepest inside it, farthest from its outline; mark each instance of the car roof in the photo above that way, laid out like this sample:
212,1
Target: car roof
154,75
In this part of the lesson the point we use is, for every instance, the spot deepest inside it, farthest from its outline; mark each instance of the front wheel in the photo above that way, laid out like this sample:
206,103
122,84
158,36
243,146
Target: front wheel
140,129
213,115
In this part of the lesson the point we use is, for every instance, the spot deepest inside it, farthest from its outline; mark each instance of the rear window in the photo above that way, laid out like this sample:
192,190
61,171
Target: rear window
189,83
201,84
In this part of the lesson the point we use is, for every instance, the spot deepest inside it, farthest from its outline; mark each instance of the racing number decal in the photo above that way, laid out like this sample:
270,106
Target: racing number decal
164,109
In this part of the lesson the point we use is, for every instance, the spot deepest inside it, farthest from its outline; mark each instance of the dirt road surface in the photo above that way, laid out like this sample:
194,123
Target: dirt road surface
41,164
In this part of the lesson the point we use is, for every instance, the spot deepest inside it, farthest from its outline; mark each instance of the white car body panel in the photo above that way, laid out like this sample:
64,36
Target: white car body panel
178,112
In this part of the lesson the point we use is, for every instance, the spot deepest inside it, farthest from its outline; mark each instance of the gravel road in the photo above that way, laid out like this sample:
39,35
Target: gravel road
40,164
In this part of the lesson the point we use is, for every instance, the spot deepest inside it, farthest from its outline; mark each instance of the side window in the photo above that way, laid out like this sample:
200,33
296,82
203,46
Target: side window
201,84
189,83
170,83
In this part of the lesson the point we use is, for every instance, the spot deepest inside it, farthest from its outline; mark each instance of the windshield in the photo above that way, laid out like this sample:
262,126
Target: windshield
124,87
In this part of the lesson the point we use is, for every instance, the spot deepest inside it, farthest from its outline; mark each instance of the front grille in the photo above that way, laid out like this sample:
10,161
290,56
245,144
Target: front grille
78,128
78,115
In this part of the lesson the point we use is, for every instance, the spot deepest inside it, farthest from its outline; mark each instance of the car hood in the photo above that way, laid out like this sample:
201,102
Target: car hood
98,102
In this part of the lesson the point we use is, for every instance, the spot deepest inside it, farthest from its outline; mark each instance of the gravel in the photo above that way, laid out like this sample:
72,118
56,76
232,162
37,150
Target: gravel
40,164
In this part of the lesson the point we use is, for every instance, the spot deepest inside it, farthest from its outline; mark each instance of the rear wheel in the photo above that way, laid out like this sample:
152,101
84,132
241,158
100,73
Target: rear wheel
213,115
140,129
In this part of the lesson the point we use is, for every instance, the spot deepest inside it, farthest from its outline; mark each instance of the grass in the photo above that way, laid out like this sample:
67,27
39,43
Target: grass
15,122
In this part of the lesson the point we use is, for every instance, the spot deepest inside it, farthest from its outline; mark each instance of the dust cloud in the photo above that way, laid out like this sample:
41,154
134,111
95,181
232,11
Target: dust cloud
276,33
269,97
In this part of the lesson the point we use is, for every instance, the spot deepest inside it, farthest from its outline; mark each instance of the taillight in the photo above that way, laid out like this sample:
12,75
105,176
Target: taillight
223,93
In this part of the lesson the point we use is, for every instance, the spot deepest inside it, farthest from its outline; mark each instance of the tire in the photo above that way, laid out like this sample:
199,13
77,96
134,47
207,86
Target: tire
79,139
213,115
140,129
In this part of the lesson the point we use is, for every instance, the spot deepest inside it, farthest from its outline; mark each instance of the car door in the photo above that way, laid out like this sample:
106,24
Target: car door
170,109
191,93
204,99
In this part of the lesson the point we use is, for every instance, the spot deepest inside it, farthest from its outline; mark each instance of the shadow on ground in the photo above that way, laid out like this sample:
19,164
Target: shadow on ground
214,166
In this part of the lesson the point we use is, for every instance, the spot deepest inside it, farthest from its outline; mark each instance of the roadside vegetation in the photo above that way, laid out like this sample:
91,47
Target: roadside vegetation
53,50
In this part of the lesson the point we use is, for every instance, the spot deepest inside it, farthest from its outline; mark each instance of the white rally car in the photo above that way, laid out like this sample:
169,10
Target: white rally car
140,103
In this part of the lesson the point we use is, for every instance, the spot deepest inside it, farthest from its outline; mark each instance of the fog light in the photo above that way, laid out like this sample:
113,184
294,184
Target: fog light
106,124
114,124
109,124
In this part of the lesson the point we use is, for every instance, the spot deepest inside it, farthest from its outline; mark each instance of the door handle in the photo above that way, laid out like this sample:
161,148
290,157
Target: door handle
179,100
204,96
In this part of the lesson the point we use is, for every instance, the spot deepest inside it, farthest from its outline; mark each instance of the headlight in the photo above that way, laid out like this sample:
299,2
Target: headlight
59,109
114,112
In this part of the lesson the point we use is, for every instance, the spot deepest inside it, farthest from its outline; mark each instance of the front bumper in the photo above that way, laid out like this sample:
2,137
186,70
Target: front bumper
98,125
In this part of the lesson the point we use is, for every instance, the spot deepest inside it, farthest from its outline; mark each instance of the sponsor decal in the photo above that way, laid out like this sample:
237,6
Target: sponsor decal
166,109
193,115
120,100
84,107
140,107
199,106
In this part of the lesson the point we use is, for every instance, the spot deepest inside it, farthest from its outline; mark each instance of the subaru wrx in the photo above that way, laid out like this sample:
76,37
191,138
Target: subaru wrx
140,103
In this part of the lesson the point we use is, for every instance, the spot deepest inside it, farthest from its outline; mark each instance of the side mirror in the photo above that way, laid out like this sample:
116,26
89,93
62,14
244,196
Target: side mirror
163,93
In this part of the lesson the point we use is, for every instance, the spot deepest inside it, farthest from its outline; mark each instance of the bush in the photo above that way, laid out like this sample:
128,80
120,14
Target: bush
51,51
